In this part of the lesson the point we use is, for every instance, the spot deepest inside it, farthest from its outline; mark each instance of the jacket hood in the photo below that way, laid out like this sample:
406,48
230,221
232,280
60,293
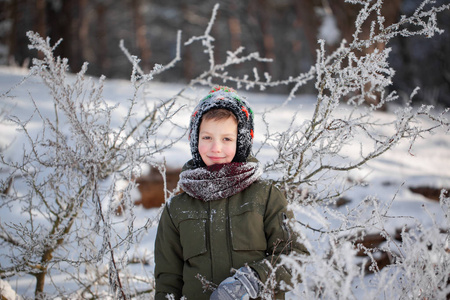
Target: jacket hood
225,98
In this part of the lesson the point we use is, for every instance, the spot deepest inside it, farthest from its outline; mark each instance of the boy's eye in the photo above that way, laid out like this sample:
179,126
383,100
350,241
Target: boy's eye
206,137
228,139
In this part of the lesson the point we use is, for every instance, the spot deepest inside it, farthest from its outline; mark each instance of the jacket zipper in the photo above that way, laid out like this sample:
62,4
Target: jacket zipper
208,233
230,250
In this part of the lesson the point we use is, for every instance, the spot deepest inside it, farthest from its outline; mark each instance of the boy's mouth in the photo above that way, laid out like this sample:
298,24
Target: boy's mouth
215,158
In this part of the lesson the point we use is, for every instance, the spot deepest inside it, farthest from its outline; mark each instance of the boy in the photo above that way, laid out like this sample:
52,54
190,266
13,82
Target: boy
226,218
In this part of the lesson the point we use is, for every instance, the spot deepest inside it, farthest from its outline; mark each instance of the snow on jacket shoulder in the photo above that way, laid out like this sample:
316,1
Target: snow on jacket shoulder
210,238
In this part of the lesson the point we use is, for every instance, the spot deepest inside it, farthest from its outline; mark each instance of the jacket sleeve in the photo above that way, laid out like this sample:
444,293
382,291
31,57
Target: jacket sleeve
168,259
281,239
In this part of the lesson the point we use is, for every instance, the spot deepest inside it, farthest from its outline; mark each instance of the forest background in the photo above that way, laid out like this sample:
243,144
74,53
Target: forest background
72,145
286,31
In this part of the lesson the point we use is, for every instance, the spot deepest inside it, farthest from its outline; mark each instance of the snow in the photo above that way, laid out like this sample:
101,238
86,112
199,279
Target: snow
328,29
7,292
214,183
387,177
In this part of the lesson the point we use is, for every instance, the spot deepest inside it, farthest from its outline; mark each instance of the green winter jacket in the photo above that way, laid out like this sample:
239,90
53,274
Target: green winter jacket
211,238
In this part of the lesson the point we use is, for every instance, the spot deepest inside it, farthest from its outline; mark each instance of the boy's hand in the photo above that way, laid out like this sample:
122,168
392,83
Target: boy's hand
244,284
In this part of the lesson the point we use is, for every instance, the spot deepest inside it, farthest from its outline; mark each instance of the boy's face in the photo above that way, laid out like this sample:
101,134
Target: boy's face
217,141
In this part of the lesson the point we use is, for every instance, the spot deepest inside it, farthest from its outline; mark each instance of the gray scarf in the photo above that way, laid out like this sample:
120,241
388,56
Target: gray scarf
219,181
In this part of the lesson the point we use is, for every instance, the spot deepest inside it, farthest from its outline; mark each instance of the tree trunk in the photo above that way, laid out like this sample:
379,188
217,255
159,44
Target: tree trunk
12,37
82,32
102,45
188,61
41,21
234,26
140,30
40,276
307,19
257,10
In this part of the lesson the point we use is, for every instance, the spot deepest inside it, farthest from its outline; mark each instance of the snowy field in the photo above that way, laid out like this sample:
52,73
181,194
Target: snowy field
388,177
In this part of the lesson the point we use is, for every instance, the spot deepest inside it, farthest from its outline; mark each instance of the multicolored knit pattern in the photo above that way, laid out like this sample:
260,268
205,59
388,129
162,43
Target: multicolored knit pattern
226,98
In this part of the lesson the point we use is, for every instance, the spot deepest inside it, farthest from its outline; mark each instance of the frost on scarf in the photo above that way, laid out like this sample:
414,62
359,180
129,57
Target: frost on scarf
219,181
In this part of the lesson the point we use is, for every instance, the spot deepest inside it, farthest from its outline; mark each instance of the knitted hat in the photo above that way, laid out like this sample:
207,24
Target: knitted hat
225,98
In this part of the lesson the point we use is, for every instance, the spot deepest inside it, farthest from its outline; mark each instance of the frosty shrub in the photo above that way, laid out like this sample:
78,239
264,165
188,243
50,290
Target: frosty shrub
67,177
65,180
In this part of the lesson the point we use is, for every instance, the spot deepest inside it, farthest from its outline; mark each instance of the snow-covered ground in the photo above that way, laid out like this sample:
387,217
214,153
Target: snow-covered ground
387,177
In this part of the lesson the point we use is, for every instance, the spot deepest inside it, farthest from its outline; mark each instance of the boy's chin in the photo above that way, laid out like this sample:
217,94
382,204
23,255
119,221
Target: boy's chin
217,162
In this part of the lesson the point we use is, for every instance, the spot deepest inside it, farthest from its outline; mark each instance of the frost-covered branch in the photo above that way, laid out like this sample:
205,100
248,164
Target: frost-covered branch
62,180
311,153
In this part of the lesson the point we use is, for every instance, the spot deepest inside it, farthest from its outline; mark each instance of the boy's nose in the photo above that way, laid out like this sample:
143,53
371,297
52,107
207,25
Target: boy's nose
215,147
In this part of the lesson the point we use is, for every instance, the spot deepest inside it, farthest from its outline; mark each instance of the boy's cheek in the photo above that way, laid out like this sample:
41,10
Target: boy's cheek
202,148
